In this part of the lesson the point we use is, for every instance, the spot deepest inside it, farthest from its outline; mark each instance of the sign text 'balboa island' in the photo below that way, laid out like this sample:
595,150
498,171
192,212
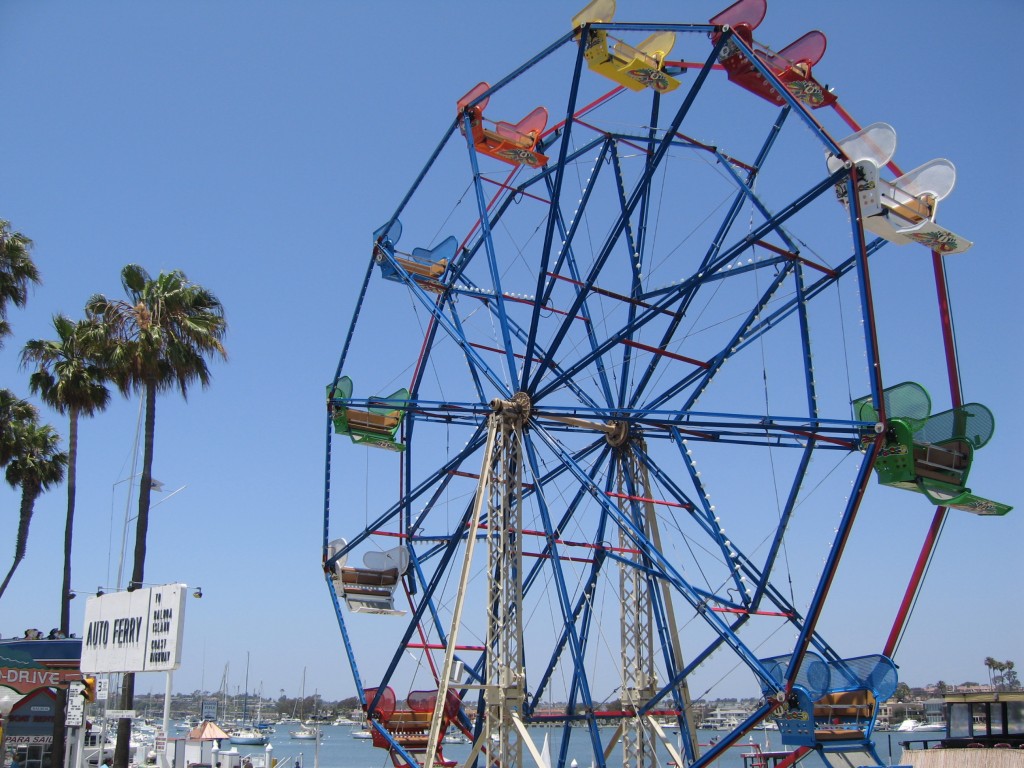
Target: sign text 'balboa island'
163,623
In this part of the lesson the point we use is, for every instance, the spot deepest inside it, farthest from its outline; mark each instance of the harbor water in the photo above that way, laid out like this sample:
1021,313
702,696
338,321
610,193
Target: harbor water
339,749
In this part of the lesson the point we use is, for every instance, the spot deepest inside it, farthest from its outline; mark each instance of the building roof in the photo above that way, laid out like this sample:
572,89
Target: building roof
207,730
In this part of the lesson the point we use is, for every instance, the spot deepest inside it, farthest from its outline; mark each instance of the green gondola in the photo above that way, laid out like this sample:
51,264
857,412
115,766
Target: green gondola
376,426
930,453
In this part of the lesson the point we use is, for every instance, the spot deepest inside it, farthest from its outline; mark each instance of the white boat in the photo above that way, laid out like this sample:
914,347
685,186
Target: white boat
93,754
918,726
307,732
248,734
251,736
723,719
362,734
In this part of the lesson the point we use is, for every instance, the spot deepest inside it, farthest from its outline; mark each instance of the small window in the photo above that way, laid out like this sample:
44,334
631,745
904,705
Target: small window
1014,718
959,720
979,714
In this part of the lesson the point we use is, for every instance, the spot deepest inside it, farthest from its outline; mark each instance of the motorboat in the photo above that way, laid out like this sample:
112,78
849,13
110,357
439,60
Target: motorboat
918,726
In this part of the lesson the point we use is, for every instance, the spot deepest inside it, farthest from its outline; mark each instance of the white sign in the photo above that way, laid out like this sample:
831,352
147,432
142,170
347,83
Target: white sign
76,705
137,631
102,686
117,714
209,709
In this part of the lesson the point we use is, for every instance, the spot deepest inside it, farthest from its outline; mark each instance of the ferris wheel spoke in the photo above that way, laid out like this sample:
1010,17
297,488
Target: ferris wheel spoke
649,313
569,233
566,258
756,234
441,476
705,514
664,568
518,333
553,220
635,198
634,248
568,610
725,353
747,191
491,258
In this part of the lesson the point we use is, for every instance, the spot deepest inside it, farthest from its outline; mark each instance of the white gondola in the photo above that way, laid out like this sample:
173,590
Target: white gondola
370,589
901,211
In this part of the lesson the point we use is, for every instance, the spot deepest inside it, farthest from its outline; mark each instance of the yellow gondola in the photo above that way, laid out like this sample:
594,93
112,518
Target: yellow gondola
635,68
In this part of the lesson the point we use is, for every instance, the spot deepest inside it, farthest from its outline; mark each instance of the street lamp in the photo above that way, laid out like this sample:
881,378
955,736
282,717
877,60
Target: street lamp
154,485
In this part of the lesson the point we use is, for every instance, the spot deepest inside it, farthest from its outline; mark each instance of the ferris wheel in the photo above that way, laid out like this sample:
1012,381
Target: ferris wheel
619,348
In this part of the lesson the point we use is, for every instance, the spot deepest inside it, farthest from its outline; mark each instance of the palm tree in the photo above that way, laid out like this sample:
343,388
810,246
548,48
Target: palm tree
159,339
17,271
70,380
13,410
1000,668
36,465
1010,676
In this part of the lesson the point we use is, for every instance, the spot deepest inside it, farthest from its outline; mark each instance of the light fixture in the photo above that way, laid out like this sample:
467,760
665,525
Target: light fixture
99,591
198,592
72,595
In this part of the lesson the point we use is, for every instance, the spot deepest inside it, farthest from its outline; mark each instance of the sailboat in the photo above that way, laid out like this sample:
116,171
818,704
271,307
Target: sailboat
308,732
247,734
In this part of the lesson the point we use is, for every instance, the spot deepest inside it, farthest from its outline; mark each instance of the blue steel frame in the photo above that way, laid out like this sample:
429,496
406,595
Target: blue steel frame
535,369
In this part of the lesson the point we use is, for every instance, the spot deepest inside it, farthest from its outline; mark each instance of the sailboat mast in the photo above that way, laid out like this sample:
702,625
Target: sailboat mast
245,698
316,726
224,690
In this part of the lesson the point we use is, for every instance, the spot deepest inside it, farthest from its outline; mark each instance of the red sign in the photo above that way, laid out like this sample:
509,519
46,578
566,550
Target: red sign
28,680
28,665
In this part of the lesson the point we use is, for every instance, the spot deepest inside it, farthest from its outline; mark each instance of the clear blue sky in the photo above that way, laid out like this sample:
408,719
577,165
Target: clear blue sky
257,145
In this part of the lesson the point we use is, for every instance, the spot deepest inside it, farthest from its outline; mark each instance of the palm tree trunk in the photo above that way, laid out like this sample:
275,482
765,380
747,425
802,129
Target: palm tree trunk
28,500
124,726
60,709
59,724
69,524
145,487
7,579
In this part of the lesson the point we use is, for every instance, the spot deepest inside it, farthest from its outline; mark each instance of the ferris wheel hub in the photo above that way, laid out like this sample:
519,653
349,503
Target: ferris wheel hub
519,406
618,434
